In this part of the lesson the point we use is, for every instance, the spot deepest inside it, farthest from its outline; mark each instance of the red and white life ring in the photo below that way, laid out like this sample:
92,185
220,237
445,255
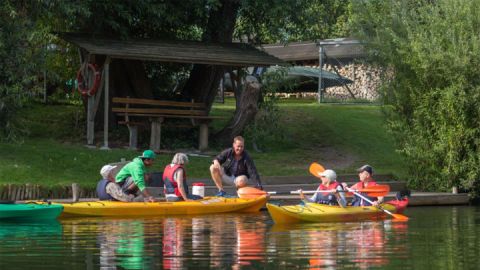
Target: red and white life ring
82,86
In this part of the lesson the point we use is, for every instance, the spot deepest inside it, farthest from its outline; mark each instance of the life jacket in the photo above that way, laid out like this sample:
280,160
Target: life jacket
357,201
327,198
170,185
102,192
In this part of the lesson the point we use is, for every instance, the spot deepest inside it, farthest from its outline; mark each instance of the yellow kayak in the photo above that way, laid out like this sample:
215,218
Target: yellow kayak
313,212
209,205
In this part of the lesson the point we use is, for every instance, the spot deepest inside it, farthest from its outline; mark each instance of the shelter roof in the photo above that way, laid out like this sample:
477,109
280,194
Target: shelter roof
180,51
300,51
329,79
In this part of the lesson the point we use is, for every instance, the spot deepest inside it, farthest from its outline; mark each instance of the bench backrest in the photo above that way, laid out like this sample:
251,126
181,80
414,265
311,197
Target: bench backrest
139,106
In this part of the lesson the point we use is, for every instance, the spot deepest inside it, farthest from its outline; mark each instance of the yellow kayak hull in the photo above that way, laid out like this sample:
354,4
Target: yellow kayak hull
209,205
313,212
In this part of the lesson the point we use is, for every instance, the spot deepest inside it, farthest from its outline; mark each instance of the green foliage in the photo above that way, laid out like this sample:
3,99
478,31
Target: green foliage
292,20
16,67
432,47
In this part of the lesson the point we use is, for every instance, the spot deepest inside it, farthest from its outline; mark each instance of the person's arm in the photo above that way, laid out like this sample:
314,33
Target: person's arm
340,195
139,180
221,158
303,198
179,179
252,171
379,200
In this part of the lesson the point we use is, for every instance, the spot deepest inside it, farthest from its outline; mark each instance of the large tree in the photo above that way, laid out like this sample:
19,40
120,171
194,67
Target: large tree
208,20
431,51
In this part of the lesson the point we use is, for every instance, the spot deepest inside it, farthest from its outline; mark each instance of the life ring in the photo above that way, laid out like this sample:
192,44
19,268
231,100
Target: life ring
82,87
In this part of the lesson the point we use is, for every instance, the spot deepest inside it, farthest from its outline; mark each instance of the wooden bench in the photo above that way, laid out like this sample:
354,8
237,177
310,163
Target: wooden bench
156,111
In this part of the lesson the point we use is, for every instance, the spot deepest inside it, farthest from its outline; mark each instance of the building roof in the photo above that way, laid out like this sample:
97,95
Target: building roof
301,51
226,54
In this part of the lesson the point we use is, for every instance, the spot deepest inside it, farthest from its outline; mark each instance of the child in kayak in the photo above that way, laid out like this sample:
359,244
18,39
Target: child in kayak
335,196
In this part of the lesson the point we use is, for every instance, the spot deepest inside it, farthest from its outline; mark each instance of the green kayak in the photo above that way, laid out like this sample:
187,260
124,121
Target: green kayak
29,212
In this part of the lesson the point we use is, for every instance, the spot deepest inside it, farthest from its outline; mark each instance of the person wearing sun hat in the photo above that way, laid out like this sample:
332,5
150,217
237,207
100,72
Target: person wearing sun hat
365,175
107,189
131,178
335,194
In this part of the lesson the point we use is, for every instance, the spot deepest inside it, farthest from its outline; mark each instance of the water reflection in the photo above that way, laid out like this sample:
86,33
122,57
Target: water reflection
440,237
27,242
361,245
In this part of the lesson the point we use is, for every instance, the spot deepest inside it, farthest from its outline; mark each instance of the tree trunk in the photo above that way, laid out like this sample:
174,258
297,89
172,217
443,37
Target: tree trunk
204,80
244,113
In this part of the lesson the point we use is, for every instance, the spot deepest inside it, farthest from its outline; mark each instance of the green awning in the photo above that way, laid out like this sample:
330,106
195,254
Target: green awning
307,77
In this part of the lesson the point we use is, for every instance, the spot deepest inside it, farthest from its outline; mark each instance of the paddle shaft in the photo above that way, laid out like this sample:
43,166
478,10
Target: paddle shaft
304,192
366,199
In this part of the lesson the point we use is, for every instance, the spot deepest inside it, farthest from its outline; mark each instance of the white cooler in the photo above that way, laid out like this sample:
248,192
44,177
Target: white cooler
198,189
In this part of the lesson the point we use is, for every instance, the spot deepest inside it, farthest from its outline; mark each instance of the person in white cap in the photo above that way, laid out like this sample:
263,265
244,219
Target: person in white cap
329,192
107,189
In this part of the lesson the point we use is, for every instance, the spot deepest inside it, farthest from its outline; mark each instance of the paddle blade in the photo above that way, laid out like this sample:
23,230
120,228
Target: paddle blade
399,217
315,169
376,189
250,193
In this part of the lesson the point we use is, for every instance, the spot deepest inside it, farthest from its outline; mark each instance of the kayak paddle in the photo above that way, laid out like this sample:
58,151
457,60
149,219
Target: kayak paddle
251,192
395,216
315,169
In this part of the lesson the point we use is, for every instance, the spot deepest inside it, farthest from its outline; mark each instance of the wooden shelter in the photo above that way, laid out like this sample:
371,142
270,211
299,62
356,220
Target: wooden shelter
300,52
194,52
309,53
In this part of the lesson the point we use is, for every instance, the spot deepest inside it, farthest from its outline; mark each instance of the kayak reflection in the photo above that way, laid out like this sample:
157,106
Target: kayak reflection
360,245
217,241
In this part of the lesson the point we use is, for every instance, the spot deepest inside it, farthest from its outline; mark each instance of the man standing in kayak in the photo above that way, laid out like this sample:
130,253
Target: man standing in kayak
335,196
131,178
234,166
365,174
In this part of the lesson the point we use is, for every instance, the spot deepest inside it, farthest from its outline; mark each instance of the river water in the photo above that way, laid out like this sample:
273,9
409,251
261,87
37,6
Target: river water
433,238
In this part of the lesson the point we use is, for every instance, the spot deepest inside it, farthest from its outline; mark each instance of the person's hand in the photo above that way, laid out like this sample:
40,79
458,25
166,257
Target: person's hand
216,164
150,199
344,185
300,191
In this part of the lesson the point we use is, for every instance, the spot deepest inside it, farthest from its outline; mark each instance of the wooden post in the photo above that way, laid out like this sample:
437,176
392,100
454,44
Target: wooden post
133,135
203,136
156,133
90,121
107,103
75,192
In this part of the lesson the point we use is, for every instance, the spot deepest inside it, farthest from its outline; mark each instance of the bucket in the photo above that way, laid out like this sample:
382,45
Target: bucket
198,189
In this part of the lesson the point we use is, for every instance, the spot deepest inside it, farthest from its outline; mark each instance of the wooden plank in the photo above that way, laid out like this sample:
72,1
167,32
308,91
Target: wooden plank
142,101
134,123
173,116
157,111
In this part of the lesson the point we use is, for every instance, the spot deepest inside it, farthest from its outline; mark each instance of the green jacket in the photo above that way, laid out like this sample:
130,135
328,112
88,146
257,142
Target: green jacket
136,169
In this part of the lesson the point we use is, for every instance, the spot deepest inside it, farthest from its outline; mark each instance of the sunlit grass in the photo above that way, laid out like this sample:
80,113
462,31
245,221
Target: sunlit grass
54,153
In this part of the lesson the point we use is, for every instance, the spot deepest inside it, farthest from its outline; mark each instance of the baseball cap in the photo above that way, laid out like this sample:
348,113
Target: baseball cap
148,154
366,168
330,174
105,171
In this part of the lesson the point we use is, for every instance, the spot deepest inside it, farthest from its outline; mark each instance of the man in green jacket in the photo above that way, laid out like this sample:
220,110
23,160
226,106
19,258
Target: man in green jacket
131,178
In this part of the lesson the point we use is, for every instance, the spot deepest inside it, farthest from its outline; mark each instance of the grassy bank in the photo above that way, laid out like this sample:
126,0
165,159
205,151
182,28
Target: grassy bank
342,137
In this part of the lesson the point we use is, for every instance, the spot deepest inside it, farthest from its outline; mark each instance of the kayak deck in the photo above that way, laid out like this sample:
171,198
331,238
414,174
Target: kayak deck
29,212
313,212
209,205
